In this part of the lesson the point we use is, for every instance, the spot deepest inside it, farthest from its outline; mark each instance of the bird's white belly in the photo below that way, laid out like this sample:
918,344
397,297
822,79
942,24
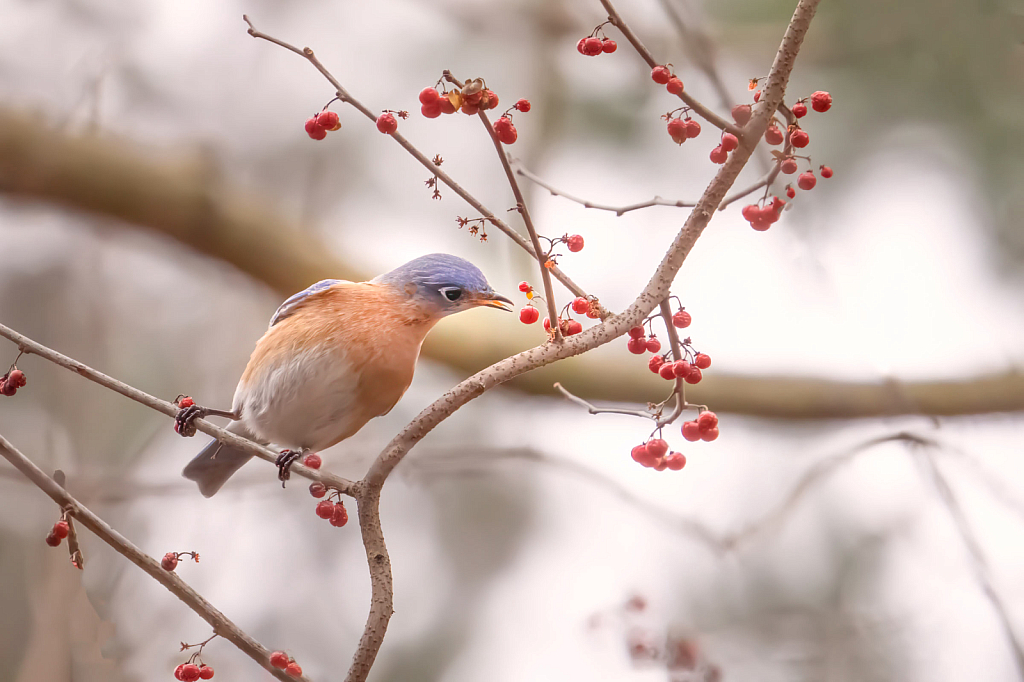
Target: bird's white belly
304,401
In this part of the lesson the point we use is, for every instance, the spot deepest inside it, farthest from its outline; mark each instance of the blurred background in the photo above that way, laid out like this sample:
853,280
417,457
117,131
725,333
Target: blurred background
861,516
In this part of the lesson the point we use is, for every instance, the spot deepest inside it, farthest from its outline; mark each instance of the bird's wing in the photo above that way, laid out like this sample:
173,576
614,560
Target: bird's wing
292,304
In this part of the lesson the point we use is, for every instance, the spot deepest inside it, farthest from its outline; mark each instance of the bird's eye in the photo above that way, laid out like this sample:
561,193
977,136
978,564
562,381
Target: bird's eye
451,293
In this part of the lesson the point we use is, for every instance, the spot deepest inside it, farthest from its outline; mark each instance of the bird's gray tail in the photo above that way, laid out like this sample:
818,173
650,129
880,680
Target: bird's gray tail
217,462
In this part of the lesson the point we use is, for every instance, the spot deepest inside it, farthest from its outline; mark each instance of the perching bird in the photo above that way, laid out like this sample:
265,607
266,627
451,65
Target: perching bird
335,356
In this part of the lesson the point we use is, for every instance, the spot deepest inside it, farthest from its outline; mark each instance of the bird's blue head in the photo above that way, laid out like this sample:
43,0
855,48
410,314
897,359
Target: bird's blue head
442,284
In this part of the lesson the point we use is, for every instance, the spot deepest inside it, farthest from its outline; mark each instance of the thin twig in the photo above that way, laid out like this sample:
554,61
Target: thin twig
982,572
169,579
617,210
679,390
27,345
593,409
697,107
441,175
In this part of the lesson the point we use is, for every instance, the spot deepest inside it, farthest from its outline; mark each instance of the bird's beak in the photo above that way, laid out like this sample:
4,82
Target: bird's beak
493,300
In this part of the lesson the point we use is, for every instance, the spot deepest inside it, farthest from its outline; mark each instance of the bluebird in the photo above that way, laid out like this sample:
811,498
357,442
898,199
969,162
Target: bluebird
335,356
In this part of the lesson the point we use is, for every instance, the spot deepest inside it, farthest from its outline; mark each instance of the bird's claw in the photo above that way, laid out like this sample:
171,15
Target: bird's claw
284,463
184,422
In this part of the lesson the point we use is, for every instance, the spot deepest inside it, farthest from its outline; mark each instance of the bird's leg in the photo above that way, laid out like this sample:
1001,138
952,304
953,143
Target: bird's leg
284,463
184,423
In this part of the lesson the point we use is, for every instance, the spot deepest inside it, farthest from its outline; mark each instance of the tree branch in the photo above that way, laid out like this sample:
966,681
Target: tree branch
179,588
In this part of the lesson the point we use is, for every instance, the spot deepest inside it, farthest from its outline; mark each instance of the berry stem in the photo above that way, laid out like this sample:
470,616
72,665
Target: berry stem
697,107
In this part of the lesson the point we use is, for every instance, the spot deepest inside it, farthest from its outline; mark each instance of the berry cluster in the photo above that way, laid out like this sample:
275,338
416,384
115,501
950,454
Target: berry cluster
282,661
170,560
704,427
189,672
322,123
596,43
681,129
763,216
59,531
655,454
662,75
12,381
386,122
720,154
328,509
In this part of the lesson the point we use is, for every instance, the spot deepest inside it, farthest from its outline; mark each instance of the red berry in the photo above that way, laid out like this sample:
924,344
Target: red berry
432,110
751,212
637,332
446,106
573,327
757,96
328,120
799,138
681,319
799,109
593,47
821,101
709,435
528,315
729,142
707,420
169,562
637,346
429,96
186,402
788,166
580,305
505,131
17,377
469,108
653,345
340,516
608,45
525,287
315,131
547,324
489,100
667,370
574,243
293,669
581,46
677,130
655,363
674,86
691,431
694,376
386,123
702,360
61,529
826,172
661,465
642,455
52,540
177,671
205,672
692,128
324,509
657,447
317,489
719,155
523,105
190,672
675,461
279,659
660,75
741,114
681,368
312,460
773,135
790,192
806,180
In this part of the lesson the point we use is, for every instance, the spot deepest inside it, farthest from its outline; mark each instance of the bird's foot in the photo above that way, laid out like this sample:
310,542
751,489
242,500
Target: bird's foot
284,464
184,422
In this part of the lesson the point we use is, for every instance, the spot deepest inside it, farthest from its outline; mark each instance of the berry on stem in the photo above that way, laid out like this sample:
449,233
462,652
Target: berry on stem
741,114
729,142
657,447
434,109
799,110
386,123
293,669
675,461
52,540
790,192
580,305
529,315
312,460
593,47
821,101
574,243
692,128
702,360
660,75
655,363
190,672
523,105
525,287
637,346
788,166
317,489
279,659
694,376
61,529
773,135
429,96
678,131
800,138
826,172
691,431
205,672
667,370
681,319
169,562
653,345
719,155
340,516
806,180
674,86
608,45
